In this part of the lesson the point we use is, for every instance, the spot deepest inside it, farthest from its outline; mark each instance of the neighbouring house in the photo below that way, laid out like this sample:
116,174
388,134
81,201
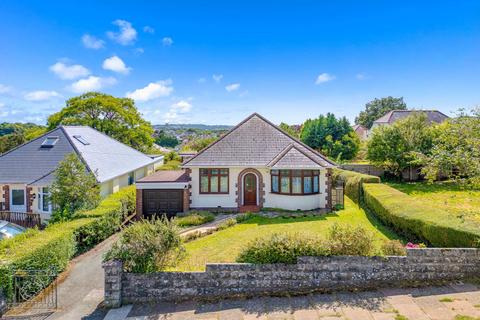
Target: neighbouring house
27,171
361,131
254,165
433,116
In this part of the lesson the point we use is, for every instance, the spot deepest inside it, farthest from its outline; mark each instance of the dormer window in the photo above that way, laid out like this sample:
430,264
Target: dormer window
49,142
82,140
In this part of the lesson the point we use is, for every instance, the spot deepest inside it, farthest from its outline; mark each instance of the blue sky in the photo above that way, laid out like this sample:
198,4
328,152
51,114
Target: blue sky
215,62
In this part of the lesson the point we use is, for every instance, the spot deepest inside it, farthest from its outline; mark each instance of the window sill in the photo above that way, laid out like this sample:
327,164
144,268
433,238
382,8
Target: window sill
296,194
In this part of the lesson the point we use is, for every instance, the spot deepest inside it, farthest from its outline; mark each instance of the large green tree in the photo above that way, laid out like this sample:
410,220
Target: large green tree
117,117
331,136
165,140
73,188
456,149
14,134
377,108
402,144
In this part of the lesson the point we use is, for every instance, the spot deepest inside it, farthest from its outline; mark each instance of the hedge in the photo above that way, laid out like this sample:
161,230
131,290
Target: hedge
353,182
53,247
416,219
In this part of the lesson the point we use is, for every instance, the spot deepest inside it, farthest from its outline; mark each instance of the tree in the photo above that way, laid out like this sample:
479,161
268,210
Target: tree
74,188
198,144
166,140
402,144
333,137
377,108
14,134
456,149
117,117
294,131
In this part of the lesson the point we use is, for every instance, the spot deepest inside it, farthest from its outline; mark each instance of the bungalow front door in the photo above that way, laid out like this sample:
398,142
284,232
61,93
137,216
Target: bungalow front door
250,190
17,200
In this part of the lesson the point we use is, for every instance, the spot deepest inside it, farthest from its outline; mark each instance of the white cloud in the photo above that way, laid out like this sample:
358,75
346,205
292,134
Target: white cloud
179,108
126,34
217,77
148,29
232,87
167,41
115,64
138,51
92,42
361,76
152,91
91,83
41,95
69,72
202,80
324,77
5,89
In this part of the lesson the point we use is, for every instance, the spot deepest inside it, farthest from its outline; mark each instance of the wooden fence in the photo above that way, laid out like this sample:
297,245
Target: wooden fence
26,220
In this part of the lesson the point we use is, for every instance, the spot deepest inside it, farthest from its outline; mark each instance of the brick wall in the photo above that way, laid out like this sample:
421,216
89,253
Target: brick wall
6,197
139,204
309,274
30,198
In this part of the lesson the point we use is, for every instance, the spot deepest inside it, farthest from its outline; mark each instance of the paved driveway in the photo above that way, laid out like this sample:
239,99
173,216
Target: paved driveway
442,303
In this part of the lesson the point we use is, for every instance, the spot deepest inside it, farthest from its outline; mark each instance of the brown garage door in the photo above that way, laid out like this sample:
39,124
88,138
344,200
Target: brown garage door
160,201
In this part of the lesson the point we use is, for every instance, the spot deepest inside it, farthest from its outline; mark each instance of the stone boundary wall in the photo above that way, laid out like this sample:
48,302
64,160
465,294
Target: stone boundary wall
309,274
3,302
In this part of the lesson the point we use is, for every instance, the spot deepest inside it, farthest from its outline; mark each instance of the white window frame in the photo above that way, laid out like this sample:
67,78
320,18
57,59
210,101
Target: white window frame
40,199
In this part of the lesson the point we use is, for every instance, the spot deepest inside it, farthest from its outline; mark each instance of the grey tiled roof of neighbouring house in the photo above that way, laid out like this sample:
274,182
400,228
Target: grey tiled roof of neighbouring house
106,157
255,142
394,115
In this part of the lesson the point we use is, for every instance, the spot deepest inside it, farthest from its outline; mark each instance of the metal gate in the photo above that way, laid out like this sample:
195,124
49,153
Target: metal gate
34,289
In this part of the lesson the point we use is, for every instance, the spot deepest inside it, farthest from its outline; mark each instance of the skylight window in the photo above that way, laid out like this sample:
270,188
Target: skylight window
82,140
49,142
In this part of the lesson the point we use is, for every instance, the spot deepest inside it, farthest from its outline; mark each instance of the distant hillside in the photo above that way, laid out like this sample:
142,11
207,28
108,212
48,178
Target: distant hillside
191,126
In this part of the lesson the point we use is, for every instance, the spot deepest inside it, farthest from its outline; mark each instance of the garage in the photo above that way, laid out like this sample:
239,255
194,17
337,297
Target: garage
164,192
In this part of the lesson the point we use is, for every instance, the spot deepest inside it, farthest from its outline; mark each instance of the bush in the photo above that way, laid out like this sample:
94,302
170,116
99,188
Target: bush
418,220
353,183
148,246
281,248
230,222
393,248
245,216
195,218
53,247
343,240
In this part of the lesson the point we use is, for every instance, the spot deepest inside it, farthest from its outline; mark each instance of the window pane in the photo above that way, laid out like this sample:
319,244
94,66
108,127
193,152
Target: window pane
315,184
285,185
45,189
204,184
18,197
297,173
223,171
274,172
45,202
296,185
285,172
214,171
203,171
307,185
224,184
214,184
275,184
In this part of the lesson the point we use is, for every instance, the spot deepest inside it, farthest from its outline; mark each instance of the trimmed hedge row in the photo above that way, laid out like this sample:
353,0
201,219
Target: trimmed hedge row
53,247
416,219
353,182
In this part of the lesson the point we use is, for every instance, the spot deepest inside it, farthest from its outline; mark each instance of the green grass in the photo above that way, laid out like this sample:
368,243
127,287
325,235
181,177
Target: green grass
446,300
225,245
400,317
462,317
462,204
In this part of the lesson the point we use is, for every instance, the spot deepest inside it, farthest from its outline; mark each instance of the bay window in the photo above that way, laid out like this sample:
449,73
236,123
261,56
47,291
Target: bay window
295,182
214,181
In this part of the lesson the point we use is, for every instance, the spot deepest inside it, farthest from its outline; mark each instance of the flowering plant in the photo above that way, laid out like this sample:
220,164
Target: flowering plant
415,246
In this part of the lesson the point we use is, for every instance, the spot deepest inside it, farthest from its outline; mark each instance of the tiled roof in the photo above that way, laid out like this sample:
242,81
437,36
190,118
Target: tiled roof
166,176
293,158
107,158
255,142
394,115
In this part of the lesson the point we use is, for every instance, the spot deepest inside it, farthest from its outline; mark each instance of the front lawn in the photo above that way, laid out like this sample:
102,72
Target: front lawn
461,203
225,245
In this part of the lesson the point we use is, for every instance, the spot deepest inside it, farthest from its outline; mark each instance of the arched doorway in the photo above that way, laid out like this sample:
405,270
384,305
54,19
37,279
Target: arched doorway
250,189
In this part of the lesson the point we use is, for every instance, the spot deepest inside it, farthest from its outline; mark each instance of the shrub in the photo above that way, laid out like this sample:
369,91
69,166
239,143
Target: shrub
348,241
281,248
148,246
353,183
53,247
230,222
418,220
245,216
393,248
195,218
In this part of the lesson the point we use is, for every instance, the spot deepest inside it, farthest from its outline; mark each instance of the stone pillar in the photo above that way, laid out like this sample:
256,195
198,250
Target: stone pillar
139,204
329,187
113,283
186,199
6,197
29,197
